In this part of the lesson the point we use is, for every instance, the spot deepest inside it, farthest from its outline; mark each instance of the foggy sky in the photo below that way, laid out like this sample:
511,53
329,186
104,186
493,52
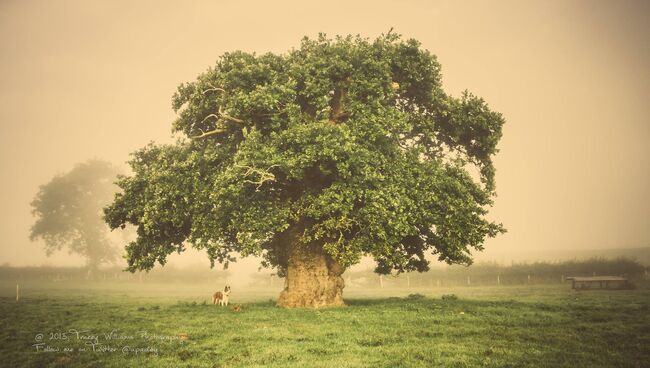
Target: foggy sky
94,79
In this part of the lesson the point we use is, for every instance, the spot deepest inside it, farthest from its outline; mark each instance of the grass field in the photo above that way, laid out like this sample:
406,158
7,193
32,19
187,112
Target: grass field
125,325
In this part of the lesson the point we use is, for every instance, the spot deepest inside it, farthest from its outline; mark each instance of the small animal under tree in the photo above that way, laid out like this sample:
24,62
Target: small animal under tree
312,159
221,297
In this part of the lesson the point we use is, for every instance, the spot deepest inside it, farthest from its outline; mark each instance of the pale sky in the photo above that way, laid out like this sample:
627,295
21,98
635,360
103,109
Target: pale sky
94,79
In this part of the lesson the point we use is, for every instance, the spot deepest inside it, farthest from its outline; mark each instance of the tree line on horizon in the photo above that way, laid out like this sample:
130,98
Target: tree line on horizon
479,274
493,273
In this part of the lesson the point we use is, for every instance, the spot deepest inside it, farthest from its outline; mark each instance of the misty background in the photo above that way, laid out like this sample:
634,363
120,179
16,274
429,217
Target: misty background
94,79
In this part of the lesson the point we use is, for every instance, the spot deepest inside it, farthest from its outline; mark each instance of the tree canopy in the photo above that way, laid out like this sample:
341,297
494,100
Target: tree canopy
68,212
352,140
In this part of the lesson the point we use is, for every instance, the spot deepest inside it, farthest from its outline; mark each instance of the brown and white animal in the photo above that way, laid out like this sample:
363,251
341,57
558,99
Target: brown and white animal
221,297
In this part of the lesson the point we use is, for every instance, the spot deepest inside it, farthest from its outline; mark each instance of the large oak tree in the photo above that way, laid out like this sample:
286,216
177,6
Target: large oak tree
312,159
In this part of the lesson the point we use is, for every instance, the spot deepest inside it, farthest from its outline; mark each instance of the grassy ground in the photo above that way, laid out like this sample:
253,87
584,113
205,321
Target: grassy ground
509,326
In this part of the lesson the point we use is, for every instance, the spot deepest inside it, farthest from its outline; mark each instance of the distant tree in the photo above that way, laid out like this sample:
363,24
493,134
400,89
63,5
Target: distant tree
311,159
68,213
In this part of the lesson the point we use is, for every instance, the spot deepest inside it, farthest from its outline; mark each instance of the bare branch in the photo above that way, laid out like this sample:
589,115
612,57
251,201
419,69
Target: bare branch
209,133
208,117
214,89
337,112
264,175
228,117
220,118
216,130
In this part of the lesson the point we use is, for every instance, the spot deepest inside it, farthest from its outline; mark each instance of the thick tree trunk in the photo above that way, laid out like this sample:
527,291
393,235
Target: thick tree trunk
313,278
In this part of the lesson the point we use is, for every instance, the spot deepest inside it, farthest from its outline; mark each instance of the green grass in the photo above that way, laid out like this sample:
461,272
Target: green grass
524,326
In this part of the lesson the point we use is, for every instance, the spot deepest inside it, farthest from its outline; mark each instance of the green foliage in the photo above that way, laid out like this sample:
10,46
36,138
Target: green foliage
69,212
353,141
